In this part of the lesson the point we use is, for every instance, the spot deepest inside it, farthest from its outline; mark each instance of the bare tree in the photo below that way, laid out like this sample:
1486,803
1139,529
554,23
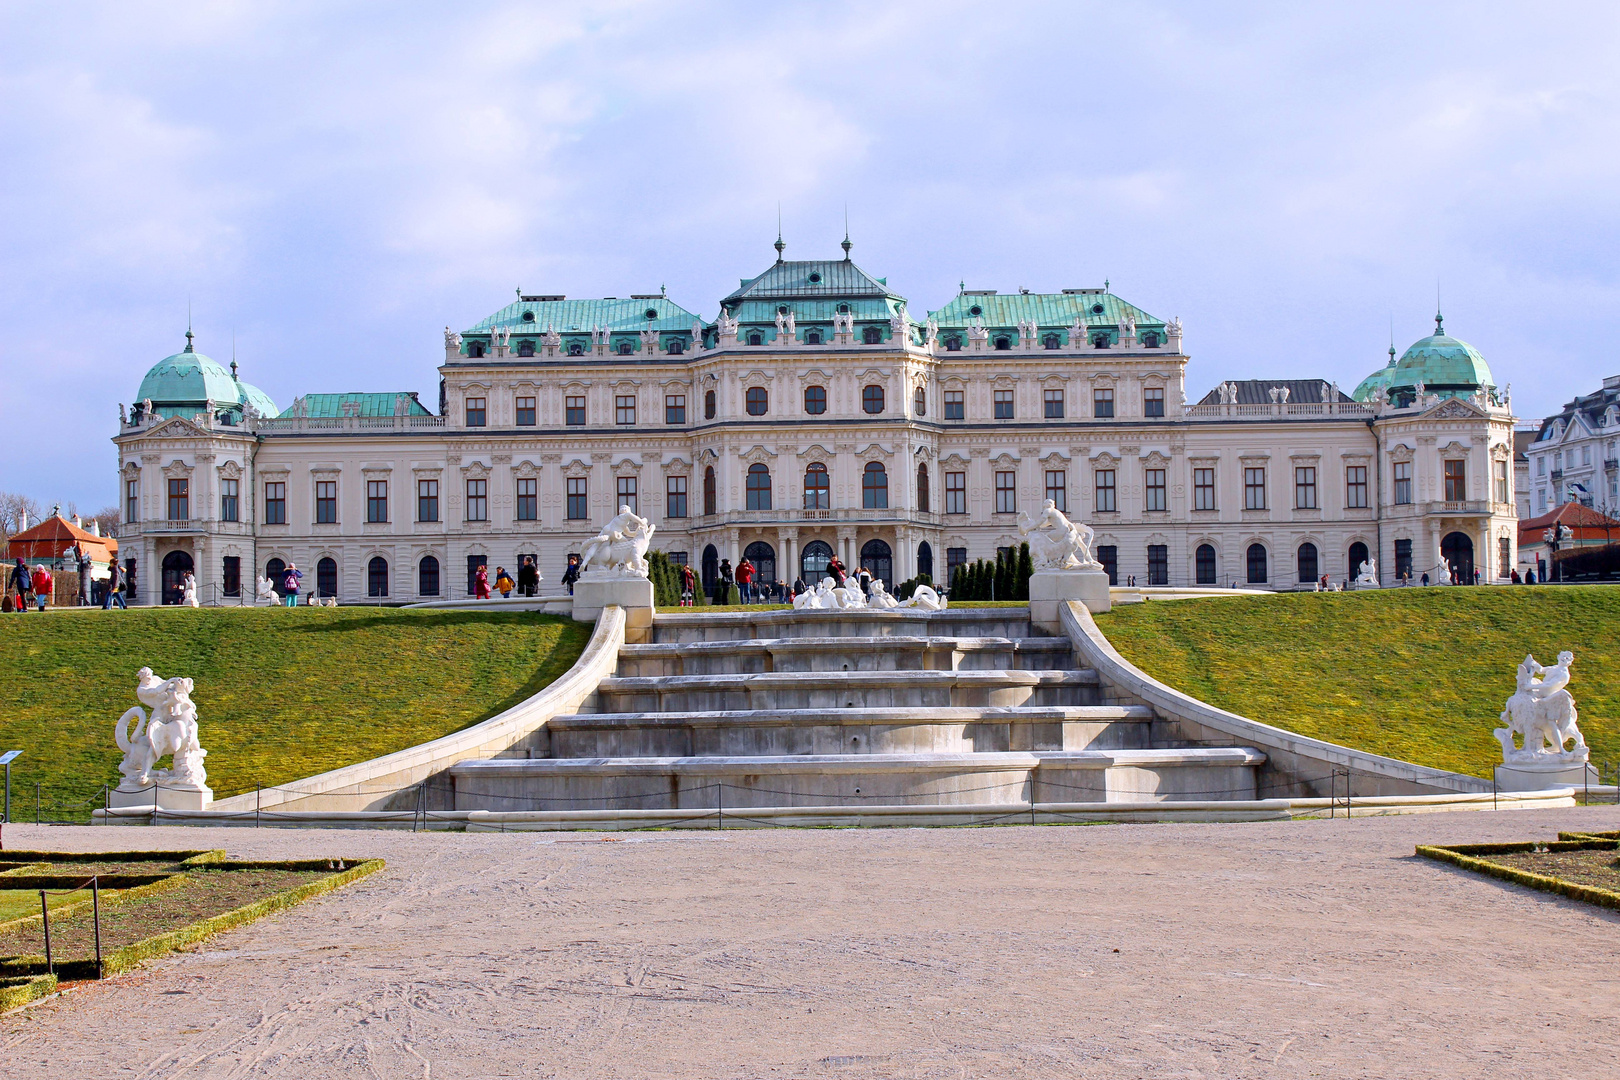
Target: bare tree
109,519
14,508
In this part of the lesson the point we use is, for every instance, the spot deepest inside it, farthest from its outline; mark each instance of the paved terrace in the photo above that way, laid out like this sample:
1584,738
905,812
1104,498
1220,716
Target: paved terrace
1253,950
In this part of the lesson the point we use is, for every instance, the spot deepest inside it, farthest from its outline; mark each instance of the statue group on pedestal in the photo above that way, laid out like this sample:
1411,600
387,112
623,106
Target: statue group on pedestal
620,549
830,596
1055,542
170,729
1542,713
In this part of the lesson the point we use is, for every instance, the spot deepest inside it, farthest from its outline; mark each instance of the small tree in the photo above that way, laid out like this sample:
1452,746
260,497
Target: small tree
1026,567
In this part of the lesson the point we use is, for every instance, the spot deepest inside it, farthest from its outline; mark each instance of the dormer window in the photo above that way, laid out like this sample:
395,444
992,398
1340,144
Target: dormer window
815,278
1003,343
625,348
475,349
1051,341
675,347
871,335
755,338
528,316
1150,340
576,348
975,310
953,344
525,348
1100,341
812,337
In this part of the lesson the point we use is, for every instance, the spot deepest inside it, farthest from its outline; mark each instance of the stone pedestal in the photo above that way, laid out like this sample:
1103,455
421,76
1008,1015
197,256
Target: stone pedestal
1539,776
593,592
168,798
1050,588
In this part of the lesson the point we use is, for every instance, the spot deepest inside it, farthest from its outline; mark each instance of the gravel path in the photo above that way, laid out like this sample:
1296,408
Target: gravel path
1259,950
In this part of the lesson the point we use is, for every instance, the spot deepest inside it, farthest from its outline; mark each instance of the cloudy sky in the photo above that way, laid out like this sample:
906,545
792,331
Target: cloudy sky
330,183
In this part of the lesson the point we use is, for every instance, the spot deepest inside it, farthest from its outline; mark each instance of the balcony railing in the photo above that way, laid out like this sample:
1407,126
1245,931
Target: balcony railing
281,424
1352,409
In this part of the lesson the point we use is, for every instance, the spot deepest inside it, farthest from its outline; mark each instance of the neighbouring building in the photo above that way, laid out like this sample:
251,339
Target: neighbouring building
1583,528
1573,457
814,415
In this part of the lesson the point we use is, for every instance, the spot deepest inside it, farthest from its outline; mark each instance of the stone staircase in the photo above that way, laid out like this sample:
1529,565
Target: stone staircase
958,708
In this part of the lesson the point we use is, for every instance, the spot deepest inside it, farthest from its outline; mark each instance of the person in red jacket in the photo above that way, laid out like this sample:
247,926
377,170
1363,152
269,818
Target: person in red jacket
42,585
745,581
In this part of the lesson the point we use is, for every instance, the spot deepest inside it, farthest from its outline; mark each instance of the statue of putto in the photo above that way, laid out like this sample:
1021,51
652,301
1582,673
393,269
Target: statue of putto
1542,712
620,549
881,597
265,590
171,729
1367,574
1055,542
925,599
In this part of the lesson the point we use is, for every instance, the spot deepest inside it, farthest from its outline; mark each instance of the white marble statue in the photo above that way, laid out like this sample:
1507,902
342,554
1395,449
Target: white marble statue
500,336
1542,711
649,341
452,341
881,597
813,599
726,325
924,599
188,590
1367,574
1077,334
171,729
1174,329
1127,327
551,339
791,324
697,337
265,589
1055,542
781,324
620,549
930,332
848,596
897,322
976,330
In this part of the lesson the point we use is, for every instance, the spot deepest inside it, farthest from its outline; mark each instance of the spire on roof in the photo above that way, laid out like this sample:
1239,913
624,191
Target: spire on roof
189,336
1392,339
846,245
779,245
1439,327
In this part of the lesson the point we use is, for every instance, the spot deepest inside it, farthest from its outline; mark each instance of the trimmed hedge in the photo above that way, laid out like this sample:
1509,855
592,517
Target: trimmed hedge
20,990
1469,857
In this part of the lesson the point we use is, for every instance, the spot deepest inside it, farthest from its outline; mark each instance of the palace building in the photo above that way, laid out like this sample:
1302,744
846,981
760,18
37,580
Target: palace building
818,414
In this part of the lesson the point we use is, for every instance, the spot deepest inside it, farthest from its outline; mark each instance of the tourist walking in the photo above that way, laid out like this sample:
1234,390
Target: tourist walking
571,574
43,583
21,583
728,579
81,560
688,586
528,581
481,582
504,583
745,580
115,587
289,584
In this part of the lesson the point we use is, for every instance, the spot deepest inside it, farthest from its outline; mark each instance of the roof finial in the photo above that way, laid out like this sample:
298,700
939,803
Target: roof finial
1392,339
1439,326
1105,284
188,325
233,352
846,245
779,245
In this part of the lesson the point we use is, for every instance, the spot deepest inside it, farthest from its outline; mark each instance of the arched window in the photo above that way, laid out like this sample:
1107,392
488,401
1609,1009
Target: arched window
813,561
878,560
427,576
1308,570
919,401
1358,555
763,556
1051,341
326,577
711,567
708,490
812,336
755,338
625,348
675,347
475,348
817,488
525,348
758,400
576,348
758,487
175,565
708,405
874,486
377,576
925,560
1257,564
1205,564
953,344
922,487
276,570
872,399
871,335
815,400
1003,343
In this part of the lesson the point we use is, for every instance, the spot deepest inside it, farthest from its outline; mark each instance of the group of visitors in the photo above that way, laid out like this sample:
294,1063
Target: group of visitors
26,588
33,589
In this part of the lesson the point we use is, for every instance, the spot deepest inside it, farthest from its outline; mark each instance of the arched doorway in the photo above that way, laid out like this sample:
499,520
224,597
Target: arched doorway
878,560
1257,564
711,568
925,560
1308,569
1358,555
427,576
377,576
175,565
326,577
763,556
1204,564
276,571
813,562
1456,549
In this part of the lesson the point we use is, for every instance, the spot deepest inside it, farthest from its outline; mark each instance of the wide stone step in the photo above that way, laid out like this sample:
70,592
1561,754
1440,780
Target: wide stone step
839,689
1200,774
749,625
888,653
849,731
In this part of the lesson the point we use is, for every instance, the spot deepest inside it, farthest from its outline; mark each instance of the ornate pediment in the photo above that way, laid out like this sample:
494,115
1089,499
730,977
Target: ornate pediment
1454,409
230,470
176,469
175,428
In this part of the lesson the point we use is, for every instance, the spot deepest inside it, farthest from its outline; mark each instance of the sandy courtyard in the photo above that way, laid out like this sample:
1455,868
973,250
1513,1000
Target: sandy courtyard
1286,950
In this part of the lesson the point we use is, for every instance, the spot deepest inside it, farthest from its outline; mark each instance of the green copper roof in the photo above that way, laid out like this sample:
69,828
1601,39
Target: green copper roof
397,404
528,318
811,279
1379,378
1055,310
181,384
1441,361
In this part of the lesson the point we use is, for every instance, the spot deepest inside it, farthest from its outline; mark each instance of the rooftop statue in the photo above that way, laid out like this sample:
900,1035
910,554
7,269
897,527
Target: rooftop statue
931,331
697,336
452,340
620,549
897,321
791,323
1055,542
551,338
781,324
1542,711
171,729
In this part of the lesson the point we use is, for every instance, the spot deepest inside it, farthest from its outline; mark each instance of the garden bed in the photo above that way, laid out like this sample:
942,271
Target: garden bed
1580,867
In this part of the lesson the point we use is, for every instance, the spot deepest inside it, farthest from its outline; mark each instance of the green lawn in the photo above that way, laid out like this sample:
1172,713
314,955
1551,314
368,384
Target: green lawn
1417,674
281,693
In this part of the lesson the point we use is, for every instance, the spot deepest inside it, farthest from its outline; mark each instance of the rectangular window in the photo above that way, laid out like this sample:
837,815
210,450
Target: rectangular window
577,508
1504,557
1403,482
675,496
675,408
1305,487
956,493
275,503
179,500
1154,490
1541,465
1053,399
954,557
1403,558
1203,489
427,500
1004,404
475,412
1502,495
528,499
1355,487
325,502
1158,564
1108,555
1102,403
132,500
477,500
1456,481
680,558
574,410
1057,488
525,412
376,500
231,575
1006,493
624,409
955,409
626,487
1254,489
1105,491
1153,404
229,509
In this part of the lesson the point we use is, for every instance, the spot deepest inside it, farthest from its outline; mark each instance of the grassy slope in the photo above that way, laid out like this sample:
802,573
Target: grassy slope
1417,674
280,693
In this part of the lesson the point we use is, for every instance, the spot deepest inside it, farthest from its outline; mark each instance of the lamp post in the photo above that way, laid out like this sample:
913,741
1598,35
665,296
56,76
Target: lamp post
6,759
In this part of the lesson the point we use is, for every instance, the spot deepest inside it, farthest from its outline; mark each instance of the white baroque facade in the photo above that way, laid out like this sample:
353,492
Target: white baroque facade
816,415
